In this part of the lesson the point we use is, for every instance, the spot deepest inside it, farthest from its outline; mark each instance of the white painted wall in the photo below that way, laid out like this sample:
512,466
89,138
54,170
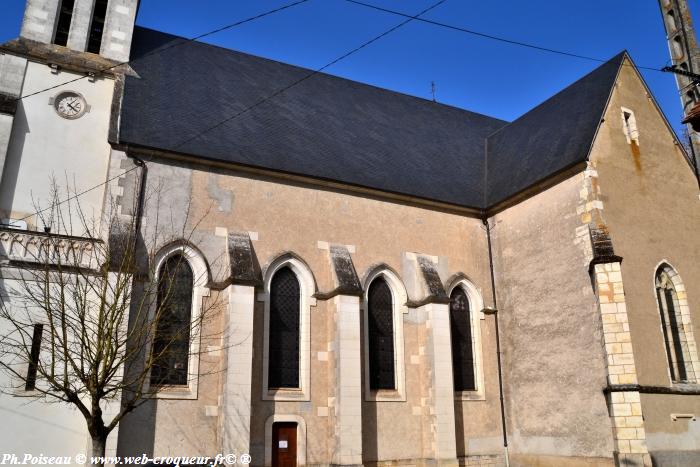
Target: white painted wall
42,145
39,428
30,426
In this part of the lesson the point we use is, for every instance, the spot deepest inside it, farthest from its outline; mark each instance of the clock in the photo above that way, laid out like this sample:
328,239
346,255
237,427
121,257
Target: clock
70,105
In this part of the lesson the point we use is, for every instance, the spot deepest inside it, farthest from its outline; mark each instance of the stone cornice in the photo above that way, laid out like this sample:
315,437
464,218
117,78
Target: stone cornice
65,58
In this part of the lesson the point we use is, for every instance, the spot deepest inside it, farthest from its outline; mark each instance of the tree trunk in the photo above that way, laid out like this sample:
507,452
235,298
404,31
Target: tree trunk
99,444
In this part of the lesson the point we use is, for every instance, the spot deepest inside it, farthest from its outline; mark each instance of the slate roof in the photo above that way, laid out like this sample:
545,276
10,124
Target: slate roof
336,129
551,137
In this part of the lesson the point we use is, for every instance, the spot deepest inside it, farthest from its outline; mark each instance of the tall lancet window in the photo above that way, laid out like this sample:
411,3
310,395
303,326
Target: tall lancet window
462,341
171,344
380,322
65,16
676,327
283,353
97,26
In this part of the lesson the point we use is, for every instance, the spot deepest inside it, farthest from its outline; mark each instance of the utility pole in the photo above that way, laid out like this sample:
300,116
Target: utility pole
683,46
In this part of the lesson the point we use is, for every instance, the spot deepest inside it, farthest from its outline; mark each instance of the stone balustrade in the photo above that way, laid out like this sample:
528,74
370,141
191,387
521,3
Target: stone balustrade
40,248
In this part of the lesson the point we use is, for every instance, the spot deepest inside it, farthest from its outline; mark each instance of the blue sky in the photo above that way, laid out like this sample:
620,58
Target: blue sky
484,76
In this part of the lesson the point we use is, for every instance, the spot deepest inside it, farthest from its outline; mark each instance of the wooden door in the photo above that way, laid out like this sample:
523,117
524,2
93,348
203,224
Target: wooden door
284,444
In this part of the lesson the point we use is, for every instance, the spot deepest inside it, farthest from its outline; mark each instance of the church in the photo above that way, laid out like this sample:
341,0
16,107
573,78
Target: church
401,282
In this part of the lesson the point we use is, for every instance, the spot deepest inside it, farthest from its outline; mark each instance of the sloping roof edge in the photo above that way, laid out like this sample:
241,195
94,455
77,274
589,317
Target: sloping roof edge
687,156
483,199
491,204
625,55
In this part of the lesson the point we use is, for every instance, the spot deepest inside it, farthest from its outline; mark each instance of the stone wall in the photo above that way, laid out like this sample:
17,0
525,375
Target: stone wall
554,365
280,218
650,198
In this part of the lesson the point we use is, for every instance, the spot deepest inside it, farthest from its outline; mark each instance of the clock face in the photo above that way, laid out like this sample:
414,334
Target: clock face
70,105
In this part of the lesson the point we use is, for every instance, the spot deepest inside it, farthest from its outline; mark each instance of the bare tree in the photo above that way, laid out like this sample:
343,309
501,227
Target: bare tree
88,321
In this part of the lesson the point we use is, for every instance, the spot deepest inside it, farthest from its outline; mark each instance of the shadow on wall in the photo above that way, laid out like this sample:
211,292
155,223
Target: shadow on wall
459,429
13,160
370,420
137,431
370,449
675,458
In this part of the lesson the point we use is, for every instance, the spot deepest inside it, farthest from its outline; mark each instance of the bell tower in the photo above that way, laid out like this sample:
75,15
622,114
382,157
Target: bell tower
101,27
683,46
58,83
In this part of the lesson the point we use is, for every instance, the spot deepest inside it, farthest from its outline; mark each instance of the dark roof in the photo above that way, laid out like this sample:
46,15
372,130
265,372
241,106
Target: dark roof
326,127
336,129
551,137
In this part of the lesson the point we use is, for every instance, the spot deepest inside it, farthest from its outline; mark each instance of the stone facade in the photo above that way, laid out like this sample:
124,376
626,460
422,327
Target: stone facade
624,405
649,221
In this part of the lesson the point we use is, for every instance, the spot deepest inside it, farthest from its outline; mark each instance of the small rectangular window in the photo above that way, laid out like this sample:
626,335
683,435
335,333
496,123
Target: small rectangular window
30,382
97,27
65,16
629,123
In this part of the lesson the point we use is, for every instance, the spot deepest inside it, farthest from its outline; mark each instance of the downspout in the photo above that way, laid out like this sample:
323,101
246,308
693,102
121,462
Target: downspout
142,190
141,196
494,312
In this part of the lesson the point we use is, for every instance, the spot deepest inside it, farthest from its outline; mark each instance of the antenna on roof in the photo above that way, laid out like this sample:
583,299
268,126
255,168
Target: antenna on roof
432,89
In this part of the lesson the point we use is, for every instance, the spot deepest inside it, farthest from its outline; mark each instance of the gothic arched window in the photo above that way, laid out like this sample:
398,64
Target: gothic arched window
462,342
283,353
171,343
675,323
381,335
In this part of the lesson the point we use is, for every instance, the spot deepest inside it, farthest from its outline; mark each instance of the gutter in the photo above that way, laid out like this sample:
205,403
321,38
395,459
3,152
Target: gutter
494,311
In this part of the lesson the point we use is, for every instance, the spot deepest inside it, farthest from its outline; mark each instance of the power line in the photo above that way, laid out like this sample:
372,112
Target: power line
311,74
70,198
177,44
276,93
408,19
488,36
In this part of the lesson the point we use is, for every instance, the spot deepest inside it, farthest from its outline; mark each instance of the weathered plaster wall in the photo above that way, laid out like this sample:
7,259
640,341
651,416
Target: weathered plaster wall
291,217
554,367
651,208
294,218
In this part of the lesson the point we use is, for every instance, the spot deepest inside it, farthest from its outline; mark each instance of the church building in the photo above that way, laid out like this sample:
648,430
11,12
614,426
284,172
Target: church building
400,282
